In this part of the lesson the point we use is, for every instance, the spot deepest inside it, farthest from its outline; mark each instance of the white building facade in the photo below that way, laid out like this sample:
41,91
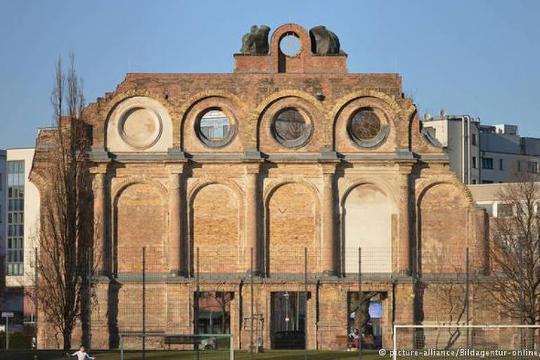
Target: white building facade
484,154
21,220
3,206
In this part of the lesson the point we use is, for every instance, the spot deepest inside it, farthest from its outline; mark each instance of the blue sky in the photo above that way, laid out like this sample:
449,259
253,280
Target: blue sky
480,57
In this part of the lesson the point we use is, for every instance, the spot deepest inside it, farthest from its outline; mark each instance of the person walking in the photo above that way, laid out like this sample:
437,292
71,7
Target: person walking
81,354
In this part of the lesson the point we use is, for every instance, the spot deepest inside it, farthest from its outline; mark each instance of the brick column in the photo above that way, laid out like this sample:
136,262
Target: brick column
404,206
175,221
328,248
252,216
101,248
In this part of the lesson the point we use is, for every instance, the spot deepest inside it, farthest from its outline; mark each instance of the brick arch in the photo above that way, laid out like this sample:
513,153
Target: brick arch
104,106
276,185
343,101
442,206
139,219
269,107
166,137
292,223
120,186
381,184
424,186
215,226
189,138
388,110
285,29
236,107
288,93
233,186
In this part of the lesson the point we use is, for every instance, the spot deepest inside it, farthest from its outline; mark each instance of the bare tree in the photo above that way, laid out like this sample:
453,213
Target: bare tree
514,252
452,294
360,306
65,264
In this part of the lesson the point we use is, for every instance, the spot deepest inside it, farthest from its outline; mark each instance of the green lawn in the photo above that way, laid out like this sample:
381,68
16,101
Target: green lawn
209,355
188,355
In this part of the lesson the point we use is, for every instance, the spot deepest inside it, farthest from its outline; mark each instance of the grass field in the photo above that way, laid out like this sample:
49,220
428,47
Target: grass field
188,355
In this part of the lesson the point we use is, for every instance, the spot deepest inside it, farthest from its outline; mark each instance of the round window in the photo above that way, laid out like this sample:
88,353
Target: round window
140,127
366,128
214,128
291,128
290,45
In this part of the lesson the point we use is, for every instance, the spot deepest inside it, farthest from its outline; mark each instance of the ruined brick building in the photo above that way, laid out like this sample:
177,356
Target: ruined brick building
286,153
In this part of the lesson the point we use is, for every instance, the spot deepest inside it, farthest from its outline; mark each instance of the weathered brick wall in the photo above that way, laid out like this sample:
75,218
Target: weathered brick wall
254,192
444,229
292,226
141,222
216,229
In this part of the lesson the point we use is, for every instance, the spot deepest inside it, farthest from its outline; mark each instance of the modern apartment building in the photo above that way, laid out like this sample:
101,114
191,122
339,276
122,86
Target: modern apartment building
484,154
20,219
3,205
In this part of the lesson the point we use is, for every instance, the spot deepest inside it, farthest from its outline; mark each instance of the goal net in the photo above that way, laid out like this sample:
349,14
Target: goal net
184,346
466,341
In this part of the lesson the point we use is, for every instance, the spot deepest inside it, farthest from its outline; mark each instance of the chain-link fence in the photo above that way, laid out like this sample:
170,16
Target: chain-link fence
268,300
465,341
278,299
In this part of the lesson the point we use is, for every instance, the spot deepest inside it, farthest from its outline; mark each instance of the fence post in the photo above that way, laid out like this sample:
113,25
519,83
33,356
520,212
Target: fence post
231,350
121,347
144,302
197,291
306,302
360,299
35,301
467,313
251,343
88,299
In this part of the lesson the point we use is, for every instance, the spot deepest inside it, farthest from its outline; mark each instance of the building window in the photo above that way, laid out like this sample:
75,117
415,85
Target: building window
291,128
488,207
474,181
474,164
473,139
214,128
487,182
15,224
501,164
487,163
366,128
532,167
505,210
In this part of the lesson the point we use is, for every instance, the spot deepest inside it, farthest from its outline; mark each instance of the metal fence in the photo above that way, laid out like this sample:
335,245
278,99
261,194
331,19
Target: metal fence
203,299
145,304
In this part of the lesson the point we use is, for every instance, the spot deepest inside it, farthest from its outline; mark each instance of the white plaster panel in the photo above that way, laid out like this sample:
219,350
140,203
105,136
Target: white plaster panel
139,124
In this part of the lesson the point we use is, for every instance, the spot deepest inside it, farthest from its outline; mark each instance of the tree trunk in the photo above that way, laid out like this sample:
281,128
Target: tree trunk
67,339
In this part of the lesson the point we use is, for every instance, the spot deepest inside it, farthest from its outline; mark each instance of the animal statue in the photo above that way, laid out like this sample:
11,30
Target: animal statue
324,41
255,42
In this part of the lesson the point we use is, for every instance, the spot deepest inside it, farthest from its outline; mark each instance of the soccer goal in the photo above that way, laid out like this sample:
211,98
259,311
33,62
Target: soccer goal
466,341
185,346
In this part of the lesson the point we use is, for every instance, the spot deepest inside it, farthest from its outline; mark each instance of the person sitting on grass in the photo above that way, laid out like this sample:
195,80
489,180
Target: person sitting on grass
81,354
354,339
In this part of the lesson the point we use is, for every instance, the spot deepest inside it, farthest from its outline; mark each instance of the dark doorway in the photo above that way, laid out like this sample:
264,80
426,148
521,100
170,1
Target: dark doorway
214,309
372,333
288,320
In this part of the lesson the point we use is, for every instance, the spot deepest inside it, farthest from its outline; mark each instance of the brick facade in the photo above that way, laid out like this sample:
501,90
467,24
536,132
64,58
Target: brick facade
178,195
